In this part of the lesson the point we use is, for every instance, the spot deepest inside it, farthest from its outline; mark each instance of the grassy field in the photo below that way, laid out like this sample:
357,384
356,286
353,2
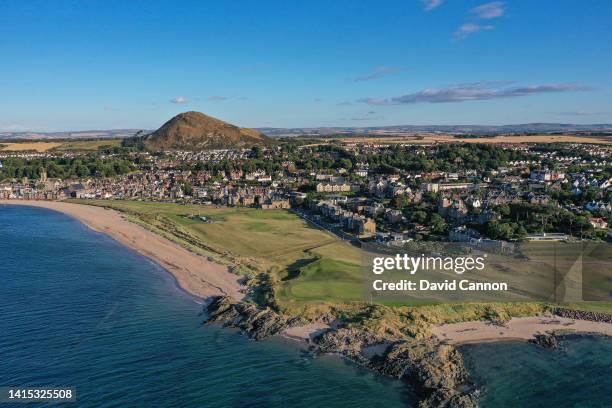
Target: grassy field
438,138
311,271
86,145
28,146
306,263
60,146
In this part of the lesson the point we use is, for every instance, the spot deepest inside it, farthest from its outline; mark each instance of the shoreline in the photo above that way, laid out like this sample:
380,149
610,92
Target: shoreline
517,329
193,273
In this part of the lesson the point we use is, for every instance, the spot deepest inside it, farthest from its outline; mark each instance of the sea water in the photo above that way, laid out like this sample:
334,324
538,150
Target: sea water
519,374
79,310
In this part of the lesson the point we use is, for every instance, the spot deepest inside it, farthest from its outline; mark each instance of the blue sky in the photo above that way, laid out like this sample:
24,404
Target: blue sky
77,65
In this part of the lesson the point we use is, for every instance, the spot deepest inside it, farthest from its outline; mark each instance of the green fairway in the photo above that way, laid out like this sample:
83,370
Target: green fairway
325,279
308,263
309,268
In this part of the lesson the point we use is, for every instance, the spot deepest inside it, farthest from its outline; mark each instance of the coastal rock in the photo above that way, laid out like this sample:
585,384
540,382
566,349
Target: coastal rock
254,322
297,321
395,362
548,340
429,364
435,369
442,367
447,398
583,315
347,341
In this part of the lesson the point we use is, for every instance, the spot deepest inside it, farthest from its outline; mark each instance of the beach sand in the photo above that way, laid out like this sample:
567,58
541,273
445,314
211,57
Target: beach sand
306,332
518,328
194,273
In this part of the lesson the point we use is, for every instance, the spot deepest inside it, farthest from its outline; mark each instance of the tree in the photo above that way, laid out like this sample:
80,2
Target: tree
499,230
419,217
437,223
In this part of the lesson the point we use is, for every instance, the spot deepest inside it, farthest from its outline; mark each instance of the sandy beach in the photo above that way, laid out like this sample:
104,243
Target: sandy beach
194,273
306,332
518,328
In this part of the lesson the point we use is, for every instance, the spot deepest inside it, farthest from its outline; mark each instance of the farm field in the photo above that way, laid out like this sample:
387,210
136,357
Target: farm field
438,138
86,145
60,146
28,146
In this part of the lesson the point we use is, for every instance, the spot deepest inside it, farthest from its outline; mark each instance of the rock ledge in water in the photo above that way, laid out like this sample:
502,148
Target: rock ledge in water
254,322
548,340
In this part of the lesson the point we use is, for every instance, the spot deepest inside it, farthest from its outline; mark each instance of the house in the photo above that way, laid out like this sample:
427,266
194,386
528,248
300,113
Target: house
598,222
274,204
337,199
457,210
361,172
365,226
474,202
462,234
332,187
594,206
546,175
393,216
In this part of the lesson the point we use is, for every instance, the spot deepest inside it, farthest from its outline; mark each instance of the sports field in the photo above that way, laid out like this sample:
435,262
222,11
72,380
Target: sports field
305,262
310,269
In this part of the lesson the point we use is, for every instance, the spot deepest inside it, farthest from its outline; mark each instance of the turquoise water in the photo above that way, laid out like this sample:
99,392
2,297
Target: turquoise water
77,309
519,374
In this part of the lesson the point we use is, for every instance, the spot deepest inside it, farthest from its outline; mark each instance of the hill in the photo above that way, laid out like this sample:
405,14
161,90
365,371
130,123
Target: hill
197,131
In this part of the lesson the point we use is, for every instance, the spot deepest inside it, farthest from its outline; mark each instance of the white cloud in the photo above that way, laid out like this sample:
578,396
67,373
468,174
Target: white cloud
582,113
470,28
429,5
476,91
179,99
489,10
485,11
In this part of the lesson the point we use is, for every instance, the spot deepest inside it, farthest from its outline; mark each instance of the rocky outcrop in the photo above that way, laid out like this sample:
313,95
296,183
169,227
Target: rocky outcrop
255,322
435,369
583,315
548,340
447,398
347,341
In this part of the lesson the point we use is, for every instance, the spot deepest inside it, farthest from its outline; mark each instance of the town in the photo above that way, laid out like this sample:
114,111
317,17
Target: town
480,193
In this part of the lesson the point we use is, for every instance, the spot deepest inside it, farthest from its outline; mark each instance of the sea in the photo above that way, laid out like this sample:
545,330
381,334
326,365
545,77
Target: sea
79,310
